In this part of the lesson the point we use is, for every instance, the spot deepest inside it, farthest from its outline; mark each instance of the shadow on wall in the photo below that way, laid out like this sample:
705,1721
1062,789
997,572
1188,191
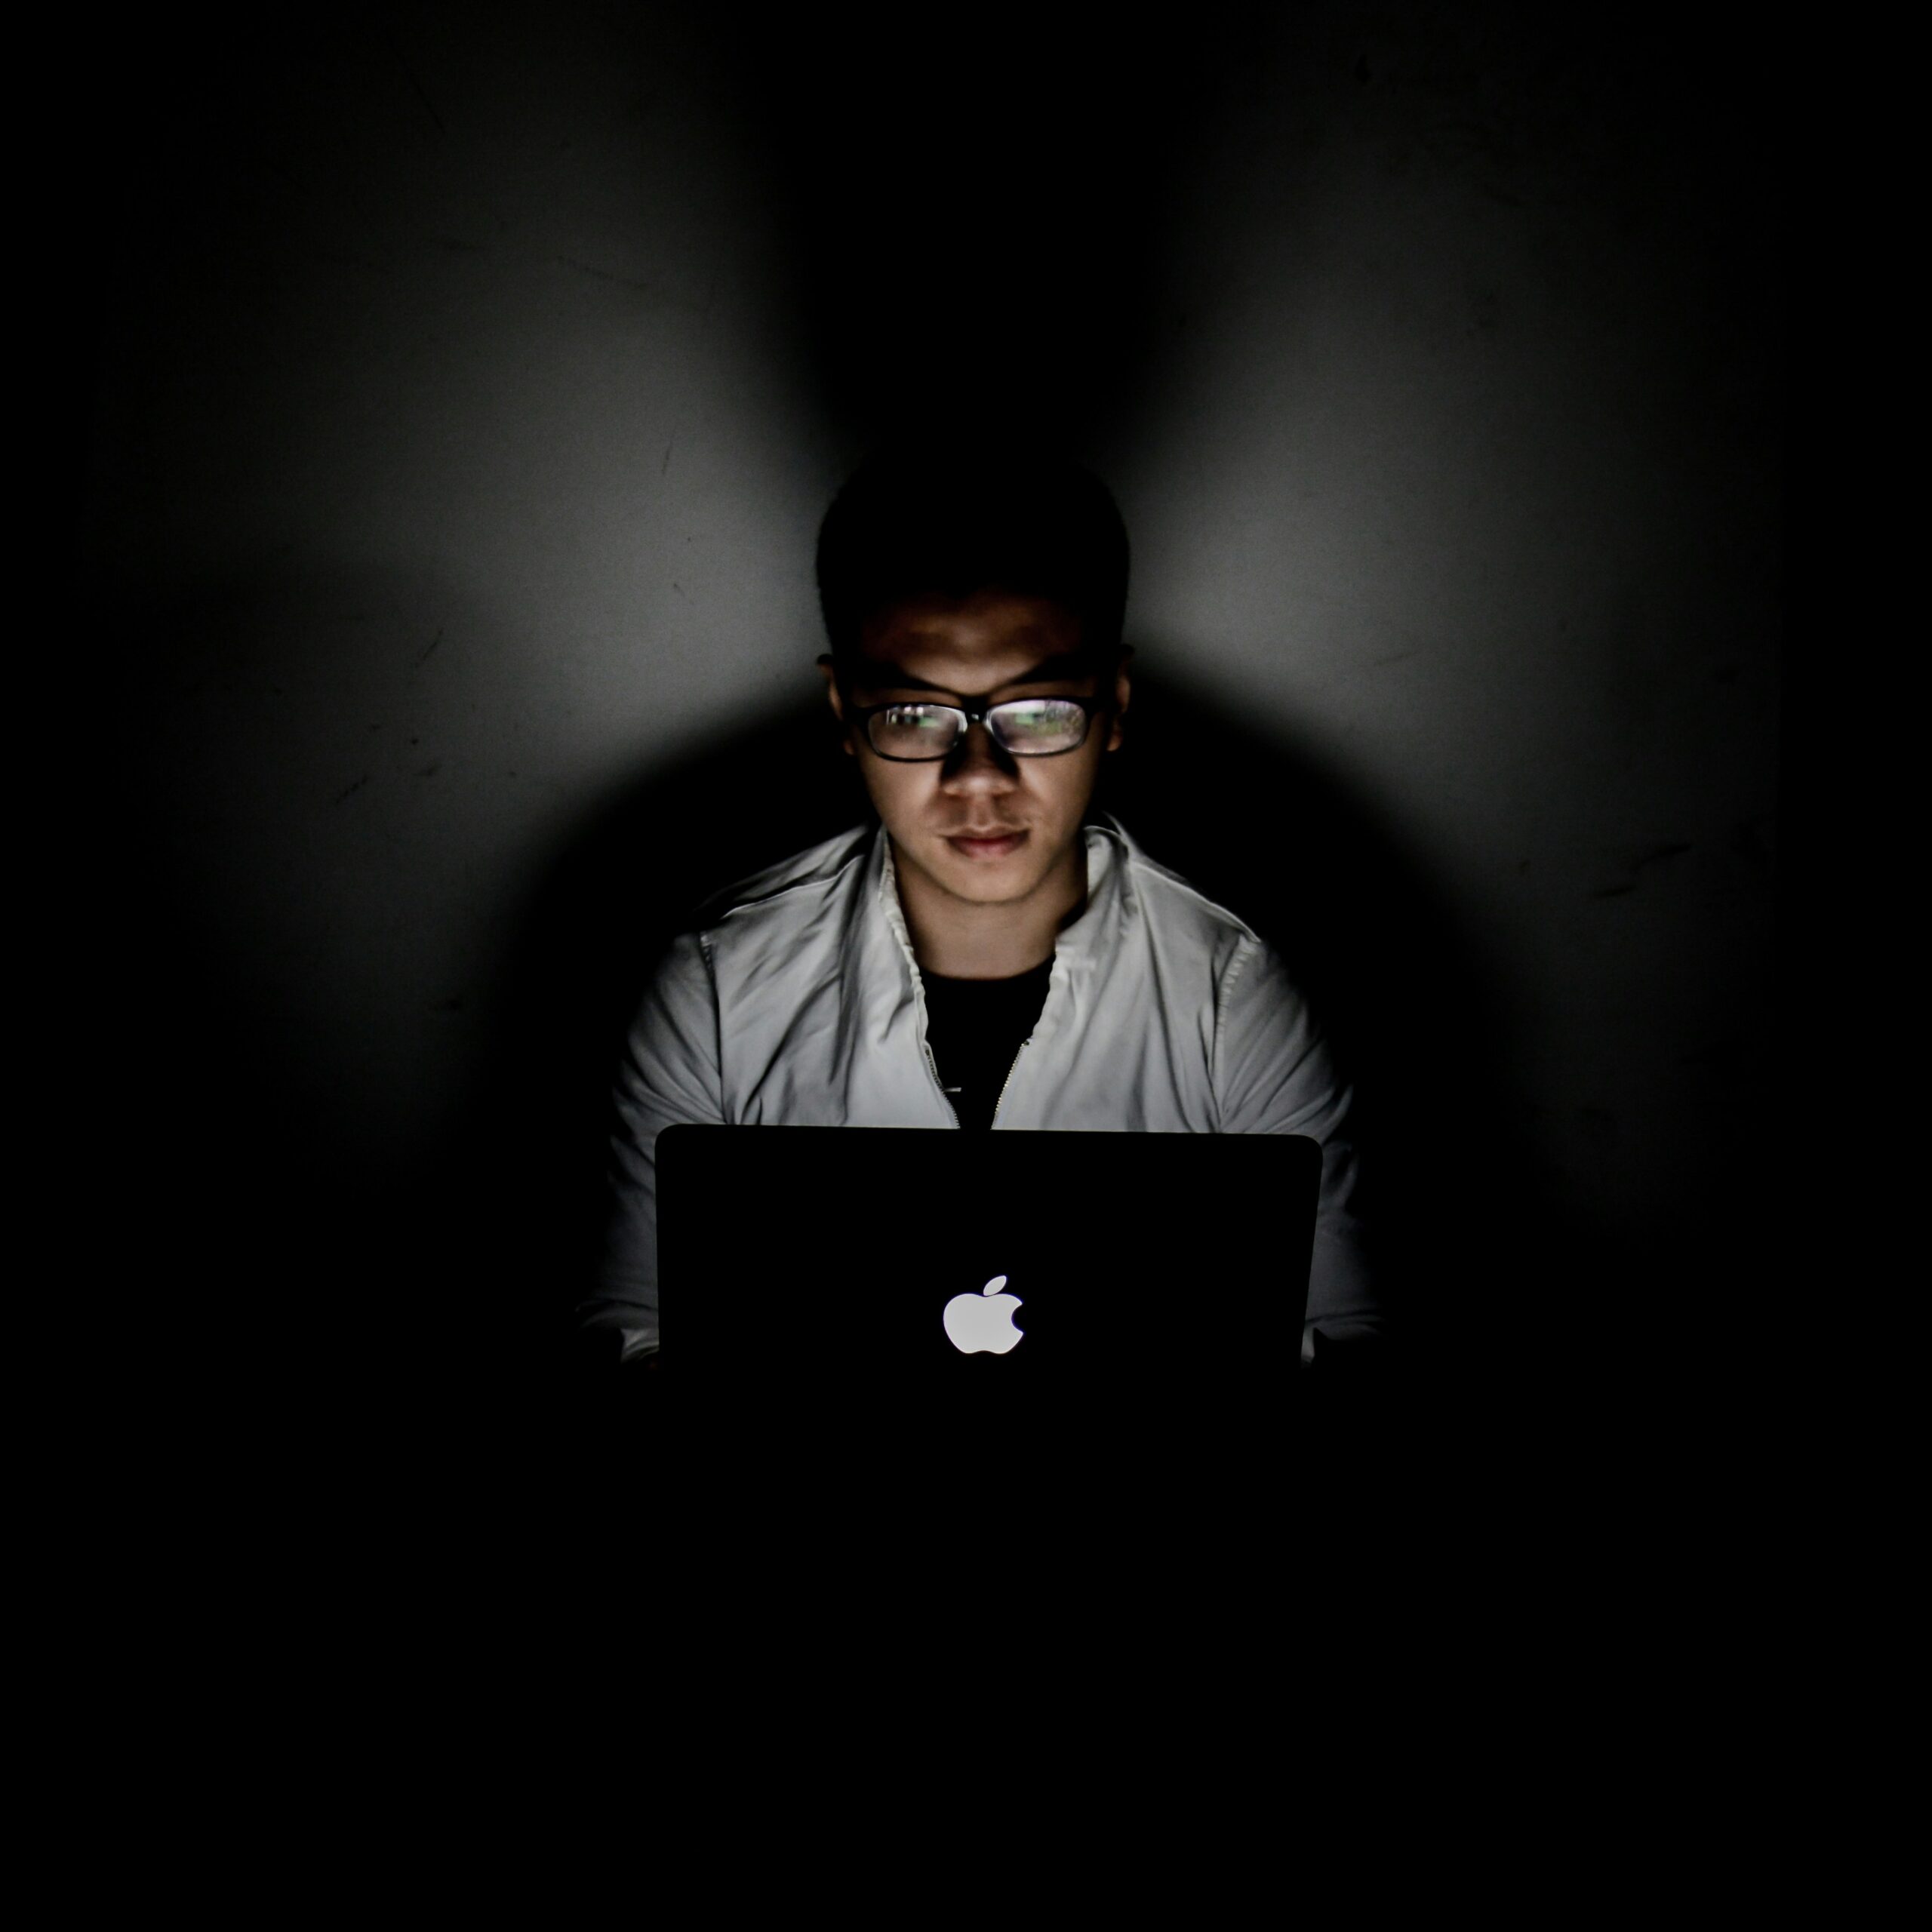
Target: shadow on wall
527,1181
251,1251
1254,821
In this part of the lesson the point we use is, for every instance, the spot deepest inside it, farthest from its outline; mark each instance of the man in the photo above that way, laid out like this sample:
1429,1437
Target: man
993,954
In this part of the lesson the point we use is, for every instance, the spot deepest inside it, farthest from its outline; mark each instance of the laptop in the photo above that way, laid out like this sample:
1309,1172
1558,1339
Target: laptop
1130,1300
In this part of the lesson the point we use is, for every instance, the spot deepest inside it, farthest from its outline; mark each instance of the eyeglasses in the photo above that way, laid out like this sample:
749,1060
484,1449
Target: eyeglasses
1026,726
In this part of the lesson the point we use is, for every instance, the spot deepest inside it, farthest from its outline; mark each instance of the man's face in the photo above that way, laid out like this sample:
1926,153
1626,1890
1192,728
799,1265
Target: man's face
981,825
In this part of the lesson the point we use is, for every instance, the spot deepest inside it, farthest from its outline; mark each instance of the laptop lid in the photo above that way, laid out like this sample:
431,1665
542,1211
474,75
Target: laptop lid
1003,1277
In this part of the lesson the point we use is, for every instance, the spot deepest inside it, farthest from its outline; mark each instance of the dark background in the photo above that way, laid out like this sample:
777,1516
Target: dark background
443,401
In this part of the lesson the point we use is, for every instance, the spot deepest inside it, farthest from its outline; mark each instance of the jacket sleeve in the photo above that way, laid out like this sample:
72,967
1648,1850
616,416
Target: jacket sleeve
669,1072
1273,1073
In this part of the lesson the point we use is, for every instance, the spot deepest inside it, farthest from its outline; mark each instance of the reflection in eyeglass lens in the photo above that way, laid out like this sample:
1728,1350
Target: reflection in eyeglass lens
1038,724
915,730
1033,726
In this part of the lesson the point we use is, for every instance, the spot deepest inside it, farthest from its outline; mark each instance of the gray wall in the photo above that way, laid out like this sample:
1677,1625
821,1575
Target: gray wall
1468,480
469,384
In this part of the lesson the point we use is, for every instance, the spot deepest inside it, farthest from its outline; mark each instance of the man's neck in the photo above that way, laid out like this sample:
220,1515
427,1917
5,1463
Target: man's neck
960,939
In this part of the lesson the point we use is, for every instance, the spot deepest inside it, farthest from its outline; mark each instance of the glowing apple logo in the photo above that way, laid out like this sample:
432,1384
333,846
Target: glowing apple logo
982,1324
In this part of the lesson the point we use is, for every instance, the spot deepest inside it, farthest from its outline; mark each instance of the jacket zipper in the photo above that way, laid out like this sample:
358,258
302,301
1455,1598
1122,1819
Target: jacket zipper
1015,1067
1008,1082
946,1092
925,1047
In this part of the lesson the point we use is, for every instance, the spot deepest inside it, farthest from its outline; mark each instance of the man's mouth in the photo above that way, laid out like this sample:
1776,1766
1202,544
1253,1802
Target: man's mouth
995,844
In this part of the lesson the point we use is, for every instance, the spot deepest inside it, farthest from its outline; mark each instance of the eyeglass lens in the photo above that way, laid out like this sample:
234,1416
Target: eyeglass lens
1029,727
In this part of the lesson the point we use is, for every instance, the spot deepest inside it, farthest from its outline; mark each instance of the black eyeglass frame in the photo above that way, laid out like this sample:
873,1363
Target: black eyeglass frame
974,714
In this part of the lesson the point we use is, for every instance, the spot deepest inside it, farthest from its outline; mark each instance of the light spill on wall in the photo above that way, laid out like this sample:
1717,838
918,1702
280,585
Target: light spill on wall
1466,482
447,473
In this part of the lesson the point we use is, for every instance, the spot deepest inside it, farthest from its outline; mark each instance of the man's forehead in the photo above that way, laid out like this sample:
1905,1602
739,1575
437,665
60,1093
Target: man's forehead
995,638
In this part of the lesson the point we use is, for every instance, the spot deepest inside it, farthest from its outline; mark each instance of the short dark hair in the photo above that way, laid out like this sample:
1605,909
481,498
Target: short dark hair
941,523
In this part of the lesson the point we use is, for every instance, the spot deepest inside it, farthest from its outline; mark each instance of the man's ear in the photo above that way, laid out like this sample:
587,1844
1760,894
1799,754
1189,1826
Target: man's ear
1121,684
829,671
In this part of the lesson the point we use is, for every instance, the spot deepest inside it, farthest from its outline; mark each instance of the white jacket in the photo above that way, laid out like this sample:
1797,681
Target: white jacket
796,1000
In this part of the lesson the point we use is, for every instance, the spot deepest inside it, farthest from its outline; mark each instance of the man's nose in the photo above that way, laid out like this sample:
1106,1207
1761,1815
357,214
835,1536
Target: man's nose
977,764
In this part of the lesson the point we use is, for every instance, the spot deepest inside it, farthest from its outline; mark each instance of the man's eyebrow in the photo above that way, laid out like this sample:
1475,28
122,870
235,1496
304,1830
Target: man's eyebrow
1062,667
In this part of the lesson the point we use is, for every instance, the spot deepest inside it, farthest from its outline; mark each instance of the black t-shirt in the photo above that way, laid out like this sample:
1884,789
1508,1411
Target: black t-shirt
976,1028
